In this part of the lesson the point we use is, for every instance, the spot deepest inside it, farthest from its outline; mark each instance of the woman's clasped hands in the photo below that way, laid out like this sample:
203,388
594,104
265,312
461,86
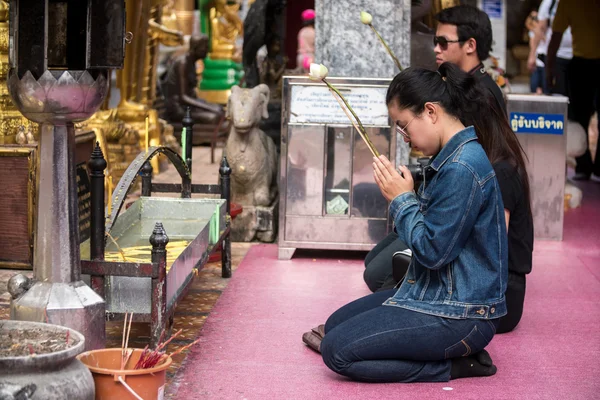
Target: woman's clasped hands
391,182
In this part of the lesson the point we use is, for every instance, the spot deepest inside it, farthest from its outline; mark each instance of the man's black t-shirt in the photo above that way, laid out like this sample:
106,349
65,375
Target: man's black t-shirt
520,224
486,80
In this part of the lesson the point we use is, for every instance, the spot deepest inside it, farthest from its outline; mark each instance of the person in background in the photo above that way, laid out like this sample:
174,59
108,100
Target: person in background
537,50
583,17
538,45
464,37
306,41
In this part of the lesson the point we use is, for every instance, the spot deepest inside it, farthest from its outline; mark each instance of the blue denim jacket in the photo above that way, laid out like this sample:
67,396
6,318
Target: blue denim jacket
456,230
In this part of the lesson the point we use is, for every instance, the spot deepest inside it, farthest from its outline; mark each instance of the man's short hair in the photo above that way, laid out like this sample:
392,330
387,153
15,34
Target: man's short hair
470,22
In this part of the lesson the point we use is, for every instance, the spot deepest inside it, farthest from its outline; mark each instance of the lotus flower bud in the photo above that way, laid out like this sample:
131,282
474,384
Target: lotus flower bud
365,17
317,72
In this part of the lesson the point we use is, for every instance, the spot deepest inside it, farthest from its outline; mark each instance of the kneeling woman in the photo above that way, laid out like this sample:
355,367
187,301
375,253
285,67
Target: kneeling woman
436,325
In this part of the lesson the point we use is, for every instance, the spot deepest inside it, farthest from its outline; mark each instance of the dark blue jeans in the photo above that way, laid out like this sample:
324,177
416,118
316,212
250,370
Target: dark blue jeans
538,80
369,342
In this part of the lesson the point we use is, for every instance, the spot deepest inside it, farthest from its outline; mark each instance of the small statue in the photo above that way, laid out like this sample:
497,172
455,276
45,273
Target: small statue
272,69
251,153
25,135
306,41
262,26
226,26
179,85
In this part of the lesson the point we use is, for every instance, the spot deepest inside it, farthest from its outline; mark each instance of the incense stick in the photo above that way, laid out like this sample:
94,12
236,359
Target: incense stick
343,106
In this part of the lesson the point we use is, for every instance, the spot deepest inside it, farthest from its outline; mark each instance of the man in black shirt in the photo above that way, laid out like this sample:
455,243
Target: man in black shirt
464,37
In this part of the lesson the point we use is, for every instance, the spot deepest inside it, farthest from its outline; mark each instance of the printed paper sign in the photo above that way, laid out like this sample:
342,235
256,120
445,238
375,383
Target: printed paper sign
316,104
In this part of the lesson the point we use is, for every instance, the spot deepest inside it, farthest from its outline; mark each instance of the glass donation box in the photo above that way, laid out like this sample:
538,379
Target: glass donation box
328,195
540,123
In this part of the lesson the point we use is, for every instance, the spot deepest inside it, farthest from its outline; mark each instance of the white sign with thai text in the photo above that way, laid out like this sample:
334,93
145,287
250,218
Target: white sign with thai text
316,104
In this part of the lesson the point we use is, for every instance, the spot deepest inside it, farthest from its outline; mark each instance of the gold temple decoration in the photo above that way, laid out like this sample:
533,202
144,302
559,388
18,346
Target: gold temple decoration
436,7
119,142
184,12
124,128
140,74
226,26
14,127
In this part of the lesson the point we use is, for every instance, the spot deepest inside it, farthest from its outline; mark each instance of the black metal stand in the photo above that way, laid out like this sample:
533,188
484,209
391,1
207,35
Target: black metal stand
158,312
188,125
224,174
146,174
97,165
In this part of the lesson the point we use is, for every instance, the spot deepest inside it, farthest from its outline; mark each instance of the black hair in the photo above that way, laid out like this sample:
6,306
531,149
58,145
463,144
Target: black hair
461,96
308,22
470,22
497,138
456,91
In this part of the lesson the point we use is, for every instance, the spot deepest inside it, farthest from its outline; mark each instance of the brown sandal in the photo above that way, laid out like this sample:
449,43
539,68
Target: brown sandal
319,331
312,340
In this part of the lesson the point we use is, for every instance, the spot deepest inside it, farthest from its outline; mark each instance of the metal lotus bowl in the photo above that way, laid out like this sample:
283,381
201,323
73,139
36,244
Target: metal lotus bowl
58,96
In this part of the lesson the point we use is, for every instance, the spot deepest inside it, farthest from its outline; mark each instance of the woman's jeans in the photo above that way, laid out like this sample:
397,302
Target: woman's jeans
538,80
369,342
378,276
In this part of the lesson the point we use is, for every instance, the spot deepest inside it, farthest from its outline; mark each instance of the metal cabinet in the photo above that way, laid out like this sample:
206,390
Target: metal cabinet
540,124
328,196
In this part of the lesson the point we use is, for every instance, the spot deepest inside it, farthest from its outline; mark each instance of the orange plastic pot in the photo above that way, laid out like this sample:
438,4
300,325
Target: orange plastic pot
114,383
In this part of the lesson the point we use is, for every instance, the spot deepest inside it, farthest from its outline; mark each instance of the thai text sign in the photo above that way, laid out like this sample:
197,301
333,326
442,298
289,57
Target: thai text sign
316,104
546,124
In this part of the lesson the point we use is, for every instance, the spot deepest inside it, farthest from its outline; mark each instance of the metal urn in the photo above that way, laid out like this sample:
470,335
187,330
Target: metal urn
61,52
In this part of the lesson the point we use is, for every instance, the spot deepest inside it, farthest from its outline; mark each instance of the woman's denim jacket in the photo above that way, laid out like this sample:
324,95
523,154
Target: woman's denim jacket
456,230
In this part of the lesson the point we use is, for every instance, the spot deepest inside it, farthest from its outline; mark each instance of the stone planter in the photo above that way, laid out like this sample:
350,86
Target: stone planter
52,375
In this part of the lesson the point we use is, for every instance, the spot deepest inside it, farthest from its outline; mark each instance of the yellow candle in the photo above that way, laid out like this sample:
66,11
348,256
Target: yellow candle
147,136
110,190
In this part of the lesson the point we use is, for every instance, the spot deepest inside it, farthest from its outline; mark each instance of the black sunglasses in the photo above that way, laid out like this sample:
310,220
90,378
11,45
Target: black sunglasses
443,42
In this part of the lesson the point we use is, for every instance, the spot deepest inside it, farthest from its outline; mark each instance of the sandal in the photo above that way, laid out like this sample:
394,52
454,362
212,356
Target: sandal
312,340
319,331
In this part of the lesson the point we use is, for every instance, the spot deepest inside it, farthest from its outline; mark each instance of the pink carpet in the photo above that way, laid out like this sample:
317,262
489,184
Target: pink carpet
251,344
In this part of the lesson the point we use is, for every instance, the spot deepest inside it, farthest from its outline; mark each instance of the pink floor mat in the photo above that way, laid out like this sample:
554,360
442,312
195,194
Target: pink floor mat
251,345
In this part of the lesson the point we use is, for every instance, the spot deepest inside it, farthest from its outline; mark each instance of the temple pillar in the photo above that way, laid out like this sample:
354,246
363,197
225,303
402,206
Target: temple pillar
350,49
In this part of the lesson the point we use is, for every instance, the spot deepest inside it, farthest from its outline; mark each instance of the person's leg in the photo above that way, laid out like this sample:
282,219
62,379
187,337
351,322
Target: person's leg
393,344
379,247
356,307
542,79
561,77
534,80
582,99
314,337
515,297
378,263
